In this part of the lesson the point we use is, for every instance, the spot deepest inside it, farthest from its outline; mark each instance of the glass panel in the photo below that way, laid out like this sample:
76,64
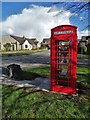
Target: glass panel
62,67
63,83
63,72
62,59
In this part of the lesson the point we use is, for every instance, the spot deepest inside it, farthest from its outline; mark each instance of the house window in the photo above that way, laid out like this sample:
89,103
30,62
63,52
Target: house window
26,46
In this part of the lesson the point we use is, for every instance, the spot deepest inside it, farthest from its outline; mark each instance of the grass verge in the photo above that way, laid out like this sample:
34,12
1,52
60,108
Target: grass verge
18,53
83,56
41,71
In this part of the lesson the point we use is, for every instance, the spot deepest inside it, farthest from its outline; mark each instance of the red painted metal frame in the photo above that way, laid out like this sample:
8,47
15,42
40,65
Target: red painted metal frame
60,33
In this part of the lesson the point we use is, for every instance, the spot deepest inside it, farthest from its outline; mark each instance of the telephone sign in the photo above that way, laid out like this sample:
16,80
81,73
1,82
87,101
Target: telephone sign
63,59
63,32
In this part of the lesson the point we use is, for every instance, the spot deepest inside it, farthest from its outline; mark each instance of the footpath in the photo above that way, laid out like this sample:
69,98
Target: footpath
38,83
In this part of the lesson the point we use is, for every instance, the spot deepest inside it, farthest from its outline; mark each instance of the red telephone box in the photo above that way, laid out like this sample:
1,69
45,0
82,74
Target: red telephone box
63,59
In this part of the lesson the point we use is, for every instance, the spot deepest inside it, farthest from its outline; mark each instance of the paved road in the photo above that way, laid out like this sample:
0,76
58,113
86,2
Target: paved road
40,58
36,59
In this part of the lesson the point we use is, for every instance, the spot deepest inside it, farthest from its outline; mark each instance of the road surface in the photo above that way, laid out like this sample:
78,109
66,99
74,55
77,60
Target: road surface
36,59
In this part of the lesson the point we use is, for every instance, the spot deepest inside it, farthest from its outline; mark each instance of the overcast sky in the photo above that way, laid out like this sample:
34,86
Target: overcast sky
35,20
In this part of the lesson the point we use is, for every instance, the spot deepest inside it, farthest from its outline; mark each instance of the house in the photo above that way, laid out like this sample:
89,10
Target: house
46,43
19,43
7,39
27,43
85,41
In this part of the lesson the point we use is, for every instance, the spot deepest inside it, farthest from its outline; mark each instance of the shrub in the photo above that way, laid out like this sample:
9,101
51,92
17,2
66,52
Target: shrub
7,46
85,49
82,47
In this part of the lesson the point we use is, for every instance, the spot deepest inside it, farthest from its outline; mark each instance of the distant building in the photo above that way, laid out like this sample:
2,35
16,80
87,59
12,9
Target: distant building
85,39
46,43
19,43
8,39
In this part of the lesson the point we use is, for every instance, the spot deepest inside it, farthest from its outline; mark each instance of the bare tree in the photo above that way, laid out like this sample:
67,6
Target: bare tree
78,8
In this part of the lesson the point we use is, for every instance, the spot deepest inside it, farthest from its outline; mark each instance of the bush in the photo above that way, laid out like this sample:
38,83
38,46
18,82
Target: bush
7,46
82,47
85,49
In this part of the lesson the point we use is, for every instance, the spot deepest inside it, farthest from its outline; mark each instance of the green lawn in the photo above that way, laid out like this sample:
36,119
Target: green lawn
30,103
41,71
